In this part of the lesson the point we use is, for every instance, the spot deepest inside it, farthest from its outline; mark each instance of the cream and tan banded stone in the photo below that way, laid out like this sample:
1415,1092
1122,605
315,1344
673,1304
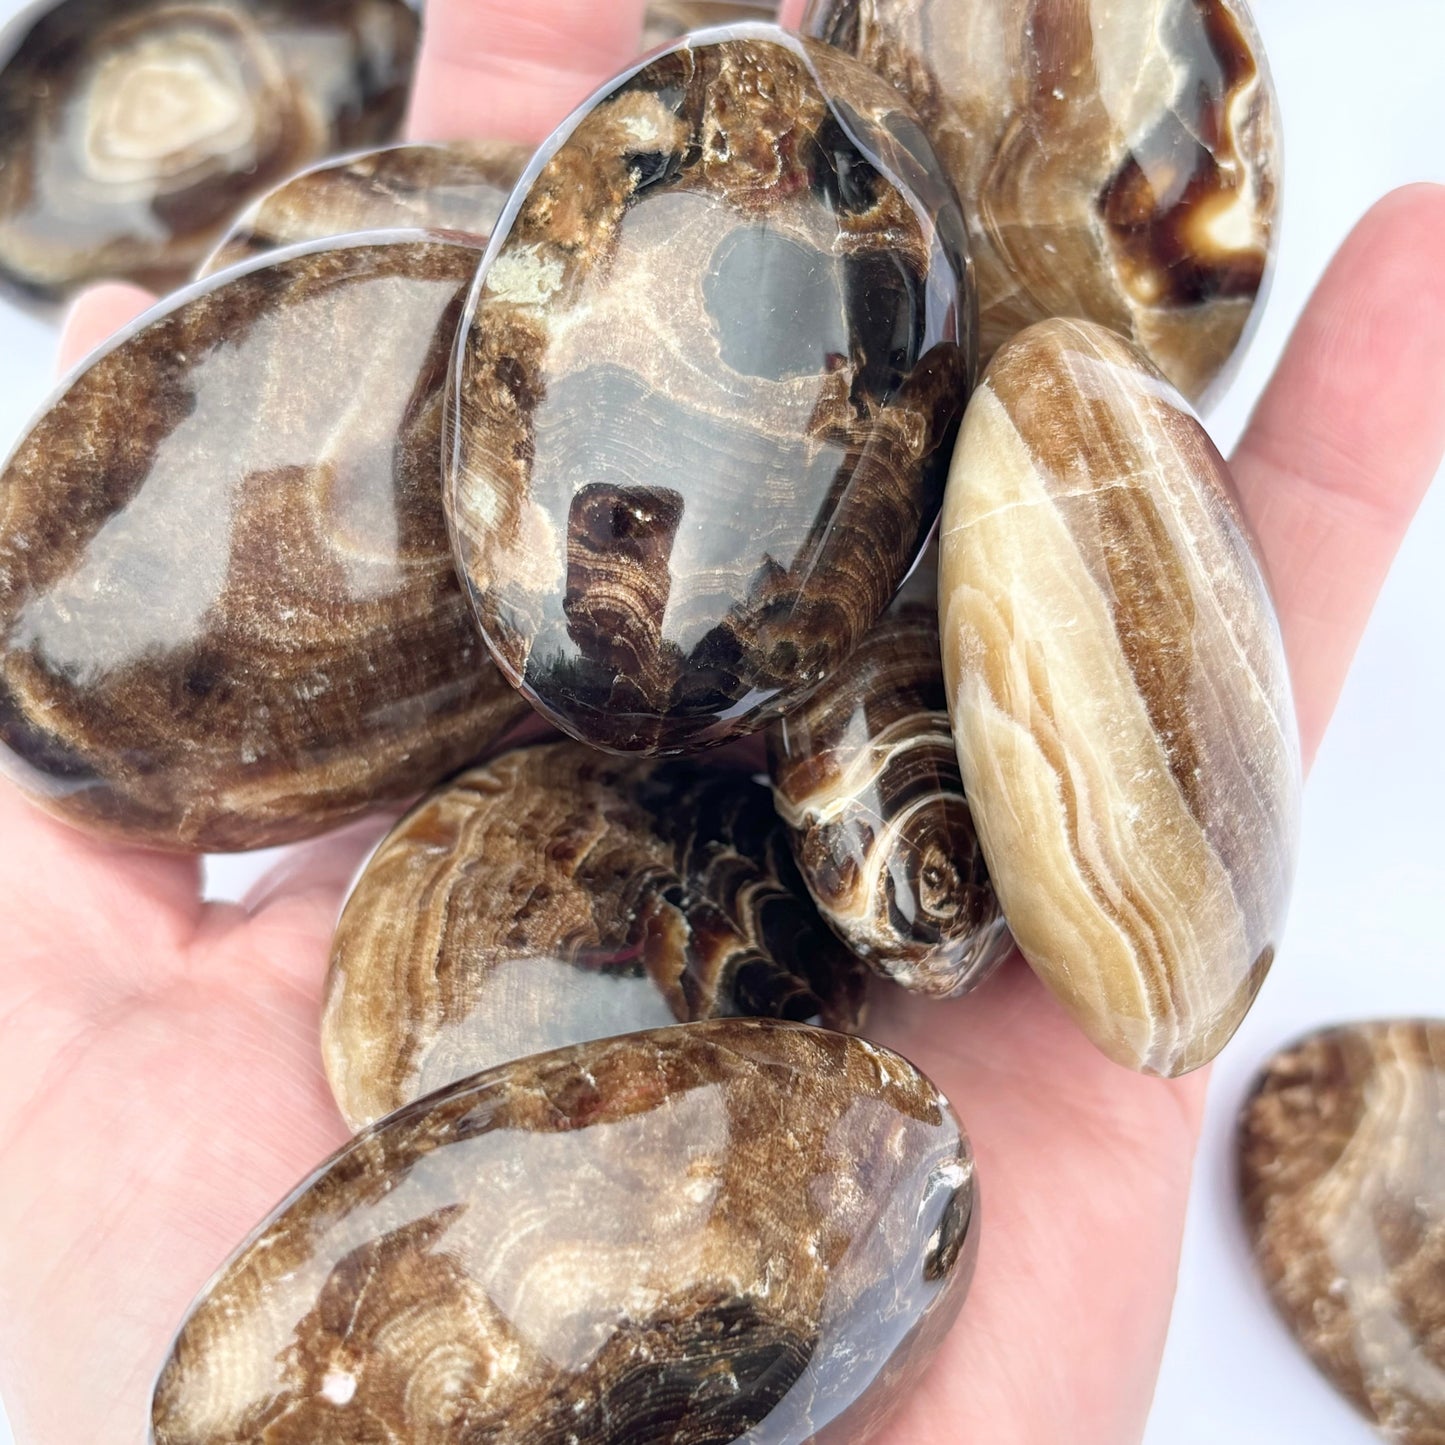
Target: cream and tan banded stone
1119,696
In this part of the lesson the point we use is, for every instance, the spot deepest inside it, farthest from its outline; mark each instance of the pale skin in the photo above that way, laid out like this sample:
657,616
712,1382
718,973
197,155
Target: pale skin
160,1080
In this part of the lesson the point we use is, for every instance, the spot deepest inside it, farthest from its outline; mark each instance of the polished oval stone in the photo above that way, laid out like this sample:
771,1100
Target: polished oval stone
1342,1170
707,392
735,1230
668,20
1118,160
1119,694
460,188
228,613
866,777
132,130
558,895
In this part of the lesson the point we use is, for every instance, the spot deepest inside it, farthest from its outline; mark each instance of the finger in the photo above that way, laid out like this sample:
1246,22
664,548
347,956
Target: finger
290,914
96,316
499,69
1347,438
67,896
325,866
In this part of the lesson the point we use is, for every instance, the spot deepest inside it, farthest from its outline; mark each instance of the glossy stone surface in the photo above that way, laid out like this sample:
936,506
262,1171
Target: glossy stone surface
667,20
1342,1170
866,777
228,613
460,187
1119,694
707,392
1118,160
132,130
558,895
735,1230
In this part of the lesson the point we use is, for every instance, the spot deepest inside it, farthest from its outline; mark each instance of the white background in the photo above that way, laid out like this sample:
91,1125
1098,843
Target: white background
1363,92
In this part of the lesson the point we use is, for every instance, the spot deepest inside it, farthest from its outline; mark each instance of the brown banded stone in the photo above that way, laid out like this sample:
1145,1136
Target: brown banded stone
132,130
459,188
1118,160
707,391
1120,696
866,777
228,612
1342,1176
668,20
558,895
733,1230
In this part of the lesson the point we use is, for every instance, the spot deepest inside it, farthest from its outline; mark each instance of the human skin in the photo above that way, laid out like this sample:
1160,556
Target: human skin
160,1077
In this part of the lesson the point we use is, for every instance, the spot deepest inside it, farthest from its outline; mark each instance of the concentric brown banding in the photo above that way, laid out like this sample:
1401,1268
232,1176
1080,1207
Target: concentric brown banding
1342,1173
228,614
459,188
866,776
1120,696
558,895
1117,161
132,130
684,1236
707,391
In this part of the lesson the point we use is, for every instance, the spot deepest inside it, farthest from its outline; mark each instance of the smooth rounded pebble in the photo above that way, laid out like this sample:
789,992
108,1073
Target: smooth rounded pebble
1120,696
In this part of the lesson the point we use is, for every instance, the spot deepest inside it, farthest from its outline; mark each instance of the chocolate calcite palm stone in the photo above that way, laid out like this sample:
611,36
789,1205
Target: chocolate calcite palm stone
1342,1172
1119,694
732,1230
666,20
866,777
132,130
228,613
558,895
707,391
461,188
1117,160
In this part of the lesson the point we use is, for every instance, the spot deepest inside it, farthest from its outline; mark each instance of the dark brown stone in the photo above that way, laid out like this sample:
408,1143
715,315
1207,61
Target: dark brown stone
459,188
708,391
228,613
866,777
558,895
678,1238
1118,160
1342,1173
131,131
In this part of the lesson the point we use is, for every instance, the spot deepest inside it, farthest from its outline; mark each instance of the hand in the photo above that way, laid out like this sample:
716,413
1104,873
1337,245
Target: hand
160,1084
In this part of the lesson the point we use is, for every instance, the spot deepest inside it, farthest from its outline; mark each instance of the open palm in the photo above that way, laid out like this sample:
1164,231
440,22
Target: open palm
160,1083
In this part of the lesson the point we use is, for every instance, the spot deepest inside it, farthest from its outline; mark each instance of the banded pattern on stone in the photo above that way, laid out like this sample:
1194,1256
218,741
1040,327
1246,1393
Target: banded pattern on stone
1118,160
228,612
132,130
707,391
460,188
866,777
1342,1173
1120,696
721,1231
558,895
